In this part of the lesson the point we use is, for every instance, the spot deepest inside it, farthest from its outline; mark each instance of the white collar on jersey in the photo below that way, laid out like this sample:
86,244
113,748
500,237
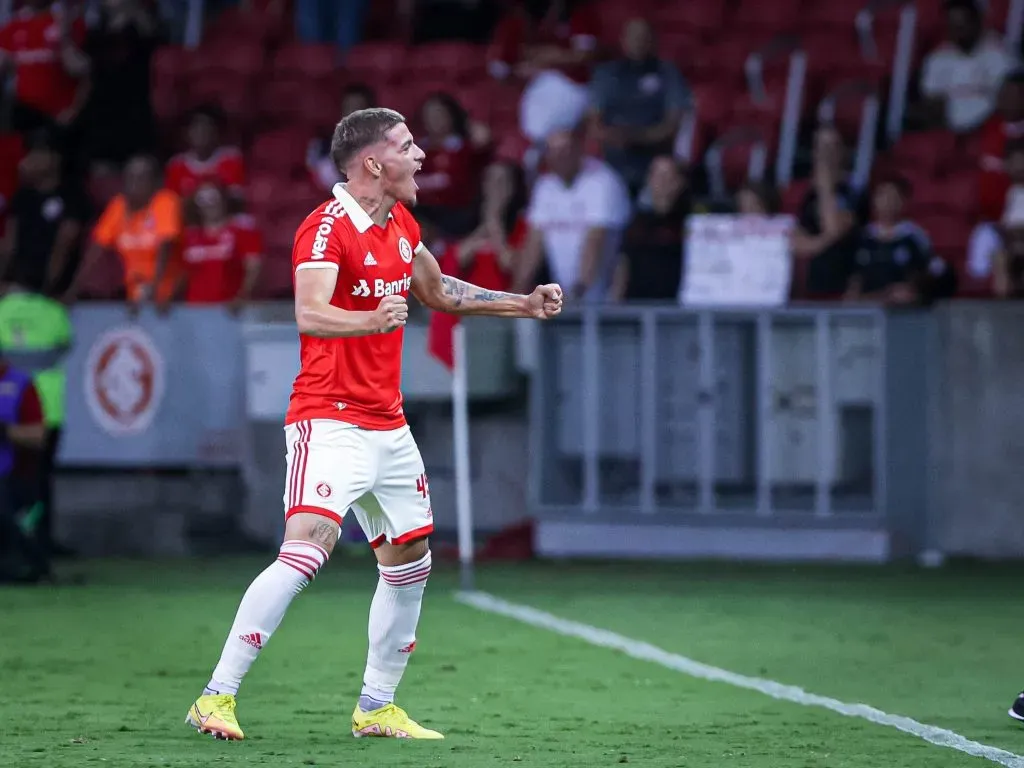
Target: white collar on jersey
360,219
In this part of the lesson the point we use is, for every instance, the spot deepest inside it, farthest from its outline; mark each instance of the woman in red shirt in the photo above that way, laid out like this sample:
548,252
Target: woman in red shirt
449,181
222,258
487,256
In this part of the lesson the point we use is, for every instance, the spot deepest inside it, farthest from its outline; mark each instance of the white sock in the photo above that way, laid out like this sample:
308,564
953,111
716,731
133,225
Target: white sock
394,614
261,610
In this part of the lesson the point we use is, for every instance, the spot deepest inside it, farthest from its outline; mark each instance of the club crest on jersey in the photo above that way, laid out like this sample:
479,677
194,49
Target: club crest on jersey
405,250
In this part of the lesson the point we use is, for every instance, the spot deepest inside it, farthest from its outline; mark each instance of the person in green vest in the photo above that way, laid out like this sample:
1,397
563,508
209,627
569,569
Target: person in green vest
35,336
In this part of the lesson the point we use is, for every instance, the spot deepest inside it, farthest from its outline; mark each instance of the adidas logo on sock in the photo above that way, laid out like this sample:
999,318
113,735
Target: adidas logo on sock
254,639
409,648
369,261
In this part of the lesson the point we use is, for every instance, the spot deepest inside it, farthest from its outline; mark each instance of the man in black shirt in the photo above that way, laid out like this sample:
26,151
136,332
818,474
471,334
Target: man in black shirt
40,248
893,260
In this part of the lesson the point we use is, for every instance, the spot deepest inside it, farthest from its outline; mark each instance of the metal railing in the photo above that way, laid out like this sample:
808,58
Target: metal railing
769,415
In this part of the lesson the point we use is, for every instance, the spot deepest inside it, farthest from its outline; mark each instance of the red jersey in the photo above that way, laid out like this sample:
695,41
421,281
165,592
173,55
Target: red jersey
516,30
215,261
185,172
354,379
34,42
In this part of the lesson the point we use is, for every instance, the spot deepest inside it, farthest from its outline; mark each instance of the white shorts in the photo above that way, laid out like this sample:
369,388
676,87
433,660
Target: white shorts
333,466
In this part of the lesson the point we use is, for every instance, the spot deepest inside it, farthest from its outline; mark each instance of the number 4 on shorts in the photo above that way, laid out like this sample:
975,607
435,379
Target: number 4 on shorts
421,486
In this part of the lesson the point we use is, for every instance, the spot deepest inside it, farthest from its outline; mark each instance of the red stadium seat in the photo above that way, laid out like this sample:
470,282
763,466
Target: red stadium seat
276,103
700,17
282,152
232,93
793,196
303,61
275,281
768,16
376,63
928,150
241,56
449,62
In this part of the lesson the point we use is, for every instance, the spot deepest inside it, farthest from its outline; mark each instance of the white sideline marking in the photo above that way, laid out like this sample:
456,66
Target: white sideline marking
646,652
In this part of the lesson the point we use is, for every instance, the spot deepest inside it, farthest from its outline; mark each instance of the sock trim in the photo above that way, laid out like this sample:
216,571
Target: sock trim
303,556
407,574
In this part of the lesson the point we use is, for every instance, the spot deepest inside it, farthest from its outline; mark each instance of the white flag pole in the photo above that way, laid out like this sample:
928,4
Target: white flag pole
463,492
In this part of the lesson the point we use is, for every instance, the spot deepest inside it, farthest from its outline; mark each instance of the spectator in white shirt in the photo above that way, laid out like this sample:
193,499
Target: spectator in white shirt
960,79
577,213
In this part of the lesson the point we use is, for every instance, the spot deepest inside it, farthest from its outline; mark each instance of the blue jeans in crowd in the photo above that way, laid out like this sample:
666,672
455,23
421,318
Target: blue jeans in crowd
330,21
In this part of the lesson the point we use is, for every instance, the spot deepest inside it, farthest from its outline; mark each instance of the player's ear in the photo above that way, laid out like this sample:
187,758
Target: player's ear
371,165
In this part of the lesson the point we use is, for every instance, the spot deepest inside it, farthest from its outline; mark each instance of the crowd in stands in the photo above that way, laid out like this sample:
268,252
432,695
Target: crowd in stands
563,138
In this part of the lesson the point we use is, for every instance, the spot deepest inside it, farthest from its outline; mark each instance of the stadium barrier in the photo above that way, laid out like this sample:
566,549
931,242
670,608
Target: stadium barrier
662,431
652,431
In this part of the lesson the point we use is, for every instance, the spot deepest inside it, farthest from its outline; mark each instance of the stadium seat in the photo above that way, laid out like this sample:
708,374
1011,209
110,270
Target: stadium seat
276,101
449,62
929,150
233,93
698,17
282,152
306,62
239,56
375,63
767,16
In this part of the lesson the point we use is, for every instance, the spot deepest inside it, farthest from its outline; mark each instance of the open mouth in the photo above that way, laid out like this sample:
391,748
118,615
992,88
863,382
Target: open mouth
415,185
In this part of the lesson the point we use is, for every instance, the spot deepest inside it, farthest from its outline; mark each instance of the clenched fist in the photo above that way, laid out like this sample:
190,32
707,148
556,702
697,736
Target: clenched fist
546,301
391,313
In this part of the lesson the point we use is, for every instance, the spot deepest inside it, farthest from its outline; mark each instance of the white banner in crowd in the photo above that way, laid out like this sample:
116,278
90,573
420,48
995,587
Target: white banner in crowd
737,260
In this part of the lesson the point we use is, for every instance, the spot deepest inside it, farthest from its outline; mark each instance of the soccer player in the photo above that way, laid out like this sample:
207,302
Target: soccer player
356,258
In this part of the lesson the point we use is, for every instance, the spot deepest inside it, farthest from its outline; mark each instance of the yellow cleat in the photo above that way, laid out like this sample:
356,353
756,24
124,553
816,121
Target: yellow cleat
215,714
389,722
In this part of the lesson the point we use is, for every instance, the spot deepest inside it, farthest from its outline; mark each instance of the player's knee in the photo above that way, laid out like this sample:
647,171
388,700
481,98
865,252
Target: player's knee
401,554
316,529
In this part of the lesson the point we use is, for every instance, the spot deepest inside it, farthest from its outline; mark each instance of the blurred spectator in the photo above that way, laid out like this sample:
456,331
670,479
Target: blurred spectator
330,21
22,558
995,250
893,260
825,234
318,157
207,159
756,198
552,45
961,77
651,266
577,213
12,150
449,181
1008,266
35,336
143,227
118,118
221,259
488,256
1007,125
40,249
42,44
637,104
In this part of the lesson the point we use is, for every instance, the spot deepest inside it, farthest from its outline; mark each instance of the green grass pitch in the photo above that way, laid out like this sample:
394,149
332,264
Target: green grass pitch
102,674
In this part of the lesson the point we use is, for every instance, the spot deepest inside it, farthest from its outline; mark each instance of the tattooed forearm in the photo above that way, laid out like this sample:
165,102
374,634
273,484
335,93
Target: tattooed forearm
462,298
454,289
460,291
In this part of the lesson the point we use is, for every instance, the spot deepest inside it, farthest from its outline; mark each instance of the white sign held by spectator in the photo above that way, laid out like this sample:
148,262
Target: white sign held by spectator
737,260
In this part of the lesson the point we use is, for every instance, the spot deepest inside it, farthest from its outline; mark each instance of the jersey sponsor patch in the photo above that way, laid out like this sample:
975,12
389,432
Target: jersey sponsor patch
331,214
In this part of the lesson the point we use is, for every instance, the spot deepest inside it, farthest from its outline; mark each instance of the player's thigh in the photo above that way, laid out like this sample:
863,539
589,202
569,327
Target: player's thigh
329,464
400,511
